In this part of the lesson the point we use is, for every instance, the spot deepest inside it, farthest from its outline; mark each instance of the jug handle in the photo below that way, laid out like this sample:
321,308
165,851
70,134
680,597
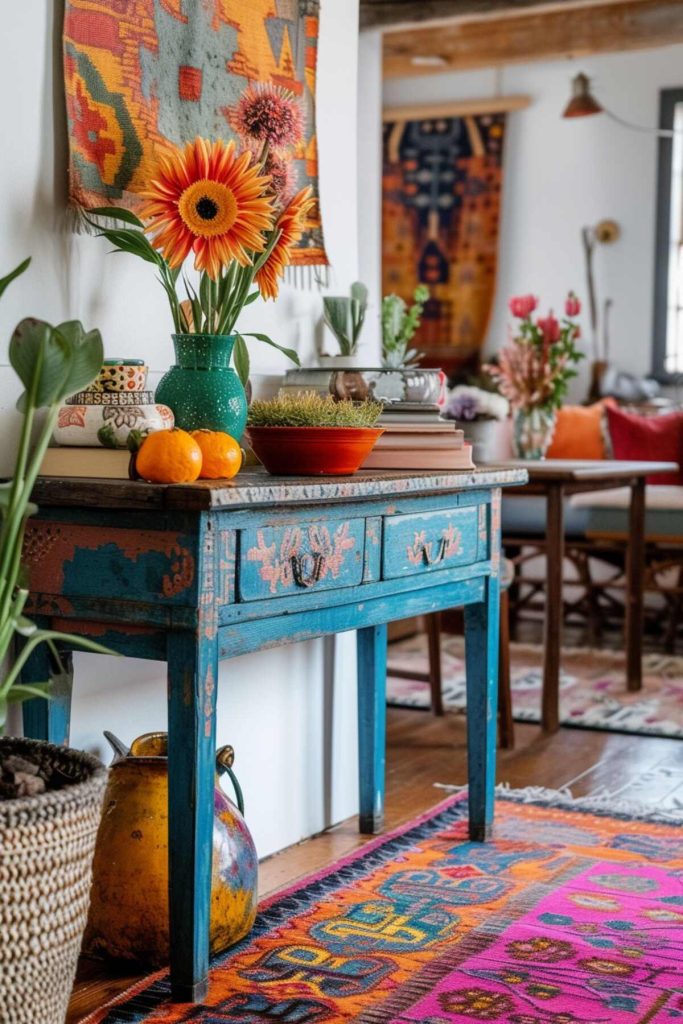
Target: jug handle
225,758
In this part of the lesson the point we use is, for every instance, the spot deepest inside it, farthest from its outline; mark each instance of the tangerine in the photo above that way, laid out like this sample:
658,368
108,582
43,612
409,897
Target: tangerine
169,457
221,454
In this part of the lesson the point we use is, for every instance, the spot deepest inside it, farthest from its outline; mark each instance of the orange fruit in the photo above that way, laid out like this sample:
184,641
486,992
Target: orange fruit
169,457
221,454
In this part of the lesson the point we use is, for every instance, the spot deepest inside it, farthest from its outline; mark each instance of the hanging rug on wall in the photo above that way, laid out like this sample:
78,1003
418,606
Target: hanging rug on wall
141,74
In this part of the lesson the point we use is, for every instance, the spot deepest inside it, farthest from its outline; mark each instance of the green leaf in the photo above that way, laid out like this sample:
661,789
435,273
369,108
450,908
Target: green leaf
133,242
337,316
24,626
289,352
88,355
241,359
5,281
251,298
117,213
3,713
26,691
37,351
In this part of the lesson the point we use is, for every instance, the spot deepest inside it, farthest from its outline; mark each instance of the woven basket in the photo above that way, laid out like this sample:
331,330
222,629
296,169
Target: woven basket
46,850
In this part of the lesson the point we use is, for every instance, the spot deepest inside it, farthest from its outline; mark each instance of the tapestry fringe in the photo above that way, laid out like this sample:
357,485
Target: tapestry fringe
305,278
76,221
603,801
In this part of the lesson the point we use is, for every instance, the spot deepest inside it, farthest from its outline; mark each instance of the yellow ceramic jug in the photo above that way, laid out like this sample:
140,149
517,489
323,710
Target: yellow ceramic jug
129,900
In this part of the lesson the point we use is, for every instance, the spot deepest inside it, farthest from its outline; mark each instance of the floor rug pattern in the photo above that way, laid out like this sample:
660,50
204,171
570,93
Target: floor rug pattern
566,917
592,686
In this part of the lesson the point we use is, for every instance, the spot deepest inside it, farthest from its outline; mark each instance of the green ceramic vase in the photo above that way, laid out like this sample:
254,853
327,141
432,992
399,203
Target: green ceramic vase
202,389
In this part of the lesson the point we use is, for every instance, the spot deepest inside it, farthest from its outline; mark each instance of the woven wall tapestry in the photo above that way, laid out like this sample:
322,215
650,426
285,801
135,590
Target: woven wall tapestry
441,191
141,73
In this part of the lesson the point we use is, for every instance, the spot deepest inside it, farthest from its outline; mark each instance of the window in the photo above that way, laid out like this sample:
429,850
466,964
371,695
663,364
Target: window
668,325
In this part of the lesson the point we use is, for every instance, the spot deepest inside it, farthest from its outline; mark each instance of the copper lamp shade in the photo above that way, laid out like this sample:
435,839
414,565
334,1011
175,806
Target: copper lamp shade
582,103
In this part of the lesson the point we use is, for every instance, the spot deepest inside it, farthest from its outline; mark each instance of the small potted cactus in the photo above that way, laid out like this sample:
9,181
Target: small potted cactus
311,435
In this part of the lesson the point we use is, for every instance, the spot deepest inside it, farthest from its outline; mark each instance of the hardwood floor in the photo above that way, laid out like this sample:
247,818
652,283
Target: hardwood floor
423,751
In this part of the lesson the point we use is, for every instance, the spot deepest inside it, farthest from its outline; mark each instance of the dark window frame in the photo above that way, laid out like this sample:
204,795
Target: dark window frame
668,99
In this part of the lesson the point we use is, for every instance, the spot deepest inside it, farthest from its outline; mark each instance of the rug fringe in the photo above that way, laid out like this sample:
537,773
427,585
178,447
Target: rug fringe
601,802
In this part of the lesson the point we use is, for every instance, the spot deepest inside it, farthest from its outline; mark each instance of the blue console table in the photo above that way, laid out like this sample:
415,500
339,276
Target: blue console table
198,573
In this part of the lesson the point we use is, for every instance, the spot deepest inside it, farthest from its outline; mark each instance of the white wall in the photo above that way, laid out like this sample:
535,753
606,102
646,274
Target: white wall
563,174
276,707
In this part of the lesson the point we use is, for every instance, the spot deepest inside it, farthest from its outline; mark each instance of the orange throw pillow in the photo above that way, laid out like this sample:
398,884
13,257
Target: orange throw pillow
579,432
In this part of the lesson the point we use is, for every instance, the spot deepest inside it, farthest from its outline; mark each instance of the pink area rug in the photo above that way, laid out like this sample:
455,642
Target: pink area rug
592,686
566,917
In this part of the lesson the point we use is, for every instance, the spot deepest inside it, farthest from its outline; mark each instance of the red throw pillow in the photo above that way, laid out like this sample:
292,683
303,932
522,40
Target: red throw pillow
648,439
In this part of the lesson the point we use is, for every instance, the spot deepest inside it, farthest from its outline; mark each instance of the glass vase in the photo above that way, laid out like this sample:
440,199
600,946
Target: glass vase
201,388
534,429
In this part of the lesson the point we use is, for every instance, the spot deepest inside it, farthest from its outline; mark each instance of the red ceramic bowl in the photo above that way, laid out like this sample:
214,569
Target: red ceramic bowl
312,451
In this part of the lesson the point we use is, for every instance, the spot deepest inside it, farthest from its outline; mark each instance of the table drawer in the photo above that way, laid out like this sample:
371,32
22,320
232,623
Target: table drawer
287,560
428,541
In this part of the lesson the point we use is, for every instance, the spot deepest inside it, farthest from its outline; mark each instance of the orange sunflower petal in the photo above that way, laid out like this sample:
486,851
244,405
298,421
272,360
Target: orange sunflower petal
208,199
291,225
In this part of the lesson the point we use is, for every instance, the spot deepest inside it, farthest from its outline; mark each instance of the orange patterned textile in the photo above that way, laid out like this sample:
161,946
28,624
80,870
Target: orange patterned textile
566,917
441,192
143,74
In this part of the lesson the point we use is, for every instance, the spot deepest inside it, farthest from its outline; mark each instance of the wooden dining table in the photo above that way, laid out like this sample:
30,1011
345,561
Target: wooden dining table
555,479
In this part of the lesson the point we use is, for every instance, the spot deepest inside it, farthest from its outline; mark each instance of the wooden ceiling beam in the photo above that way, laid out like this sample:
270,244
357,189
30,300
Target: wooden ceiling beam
554,34
384,13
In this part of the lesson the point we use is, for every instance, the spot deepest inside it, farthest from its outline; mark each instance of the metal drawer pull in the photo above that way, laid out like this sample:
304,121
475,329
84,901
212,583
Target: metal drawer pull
308,568
421,548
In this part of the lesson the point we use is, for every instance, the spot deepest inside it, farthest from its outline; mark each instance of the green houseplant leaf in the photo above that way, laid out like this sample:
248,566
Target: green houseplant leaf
241,358
42,360
7,280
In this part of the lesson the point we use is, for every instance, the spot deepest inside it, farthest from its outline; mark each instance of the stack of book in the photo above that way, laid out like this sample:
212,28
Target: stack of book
420,441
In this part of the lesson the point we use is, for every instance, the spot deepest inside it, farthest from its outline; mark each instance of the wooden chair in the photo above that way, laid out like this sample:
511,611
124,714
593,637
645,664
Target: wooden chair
506,729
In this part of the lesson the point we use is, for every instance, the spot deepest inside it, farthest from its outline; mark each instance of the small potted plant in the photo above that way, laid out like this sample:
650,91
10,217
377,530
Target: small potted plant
345,316
399,325
50,797
533,371
483,414
311,435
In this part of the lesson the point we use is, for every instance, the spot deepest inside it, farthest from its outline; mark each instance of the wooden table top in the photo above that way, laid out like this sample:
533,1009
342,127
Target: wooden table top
594,471
254,487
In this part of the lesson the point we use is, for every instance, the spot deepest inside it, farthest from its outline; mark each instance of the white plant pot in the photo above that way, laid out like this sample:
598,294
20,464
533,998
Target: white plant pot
491,440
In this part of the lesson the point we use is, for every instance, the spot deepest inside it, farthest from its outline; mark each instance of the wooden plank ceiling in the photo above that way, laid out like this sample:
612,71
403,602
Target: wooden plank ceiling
512,32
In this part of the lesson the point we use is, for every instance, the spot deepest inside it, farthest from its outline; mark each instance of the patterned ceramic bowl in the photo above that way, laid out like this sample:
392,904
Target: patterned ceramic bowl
121,375
108,426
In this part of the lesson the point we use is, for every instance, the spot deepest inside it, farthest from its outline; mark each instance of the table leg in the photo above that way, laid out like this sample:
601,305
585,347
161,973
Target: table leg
192,679
372,685
554,609
48,719
481,659
635,572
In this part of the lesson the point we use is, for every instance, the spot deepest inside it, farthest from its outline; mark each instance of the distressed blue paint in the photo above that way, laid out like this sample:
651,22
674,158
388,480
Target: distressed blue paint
481,654
429,541
323,554
242,638
48,719
225,612
192,683
250,611
372,684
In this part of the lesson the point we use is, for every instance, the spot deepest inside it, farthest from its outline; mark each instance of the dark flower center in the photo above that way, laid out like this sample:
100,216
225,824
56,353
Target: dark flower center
206,208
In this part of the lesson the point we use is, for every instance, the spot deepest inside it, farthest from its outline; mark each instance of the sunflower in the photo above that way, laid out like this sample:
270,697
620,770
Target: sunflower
291,225
206,199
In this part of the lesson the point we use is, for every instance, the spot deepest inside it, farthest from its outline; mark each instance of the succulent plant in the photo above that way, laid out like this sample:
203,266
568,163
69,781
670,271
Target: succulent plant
399,324
345,316
311,410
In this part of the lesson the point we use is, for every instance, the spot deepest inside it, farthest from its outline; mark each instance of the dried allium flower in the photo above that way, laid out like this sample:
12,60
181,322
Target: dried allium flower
282,177
270,115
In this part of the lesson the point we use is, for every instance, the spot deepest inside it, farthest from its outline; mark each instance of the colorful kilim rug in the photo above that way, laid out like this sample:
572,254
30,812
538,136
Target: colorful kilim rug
441,192
141,73
593,691
567,917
